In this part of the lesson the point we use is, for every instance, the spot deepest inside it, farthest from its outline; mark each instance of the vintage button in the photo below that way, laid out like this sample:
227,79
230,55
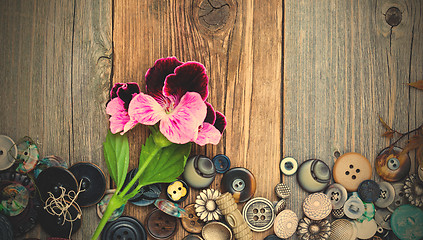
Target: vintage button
366,229
240,183
286,224
413,189
310,229
52,179
272,237
351,169
216,231
381,233
206,207
57,226
383,218
221,163
354,207
14,198
337,195
343,229
92,181
147,195
177,191
390,166
338,213
420,173
28,154
386,196
102,206
406,222
192,223
282,190
289,166
192,237
6,231
129,176
280,206
170,208
161,225
124,228
368,191
49,161
313,175
317,206
199,172
399,199
369,212
259,214
8,152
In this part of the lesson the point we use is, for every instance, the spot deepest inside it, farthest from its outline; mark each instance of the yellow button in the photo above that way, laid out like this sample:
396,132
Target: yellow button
351,169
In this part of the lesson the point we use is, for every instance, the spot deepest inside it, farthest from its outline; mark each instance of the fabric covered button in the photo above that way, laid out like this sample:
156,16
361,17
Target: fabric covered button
221,163
57,226
289,166
310,229
177,191
161,225
282,190
343,229
368,191
258,213
192,223
216,231
28,154
386,196
8,152
92,181
317,206
351,169
337,195
392,167
313,175
354,207
240,182
286,224
399,199
406,222
413,189
199,172
124,228
383,218
366,229
52,179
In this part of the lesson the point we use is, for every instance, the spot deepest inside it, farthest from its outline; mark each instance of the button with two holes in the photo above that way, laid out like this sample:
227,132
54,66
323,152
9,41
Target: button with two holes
221,163
124,228
192,223
399,199
161,225
177,191
259,214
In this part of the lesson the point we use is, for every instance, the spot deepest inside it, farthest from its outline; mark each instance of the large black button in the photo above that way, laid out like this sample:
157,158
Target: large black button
240,182
124,228
6,231
52,179
56,225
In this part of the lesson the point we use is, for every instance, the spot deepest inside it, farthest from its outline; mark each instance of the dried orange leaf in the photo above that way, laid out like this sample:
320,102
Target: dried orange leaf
419,155
418,84
415,142
389,134
385,125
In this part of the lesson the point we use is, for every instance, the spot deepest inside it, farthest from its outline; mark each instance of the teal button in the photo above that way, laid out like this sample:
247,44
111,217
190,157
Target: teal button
407,222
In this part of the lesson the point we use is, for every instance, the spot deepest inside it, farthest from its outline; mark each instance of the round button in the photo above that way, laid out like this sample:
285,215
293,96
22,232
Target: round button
192,237
311,229
177,191
147,195
206,207
366,229
6,231
53,179
237,176
343,229
272,237
354,207
369,212
286,224
92,181
383,218
338,213
280,206
161,225
221,163
289,166
28,154
49,161
391,166
399,199
192,223
420,173
413,189
368,191
258,213
337,195
199,172
56,225
14,198
8,152
216,231
317,206
406,222
282,190
124,228
386,196
102,206
313,175
351,169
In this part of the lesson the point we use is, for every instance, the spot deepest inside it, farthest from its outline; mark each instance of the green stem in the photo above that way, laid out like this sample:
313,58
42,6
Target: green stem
115,202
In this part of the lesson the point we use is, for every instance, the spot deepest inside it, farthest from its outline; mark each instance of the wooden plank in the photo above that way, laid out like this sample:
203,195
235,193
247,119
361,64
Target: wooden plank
240,43
344,65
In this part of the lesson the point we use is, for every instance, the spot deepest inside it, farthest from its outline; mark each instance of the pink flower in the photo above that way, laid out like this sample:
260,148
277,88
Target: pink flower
212,128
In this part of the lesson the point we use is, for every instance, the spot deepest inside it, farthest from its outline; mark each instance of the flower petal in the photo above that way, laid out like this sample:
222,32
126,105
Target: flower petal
181,125
113,92
118,121
145,110
220,122
208,134
129,125
127,91
189,77
155,76
211,114
115,106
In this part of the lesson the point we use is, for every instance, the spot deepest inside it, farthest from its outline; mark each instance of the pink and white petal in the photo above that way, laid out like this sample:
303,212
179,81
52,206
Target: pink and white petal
129,125
208,134
127,91
211,114
189,77
115,106
156,75
181,125
145,110
118,121
220,122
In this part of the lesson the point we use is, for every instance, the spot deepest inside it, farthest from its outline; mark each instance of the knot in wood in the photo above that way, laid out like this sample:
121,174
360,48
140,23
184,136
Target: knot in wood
214,14
393,16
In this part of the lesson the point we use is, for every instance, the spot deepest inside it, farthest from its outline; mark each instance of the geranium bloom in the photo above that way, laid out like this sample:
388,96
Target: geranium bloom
212,128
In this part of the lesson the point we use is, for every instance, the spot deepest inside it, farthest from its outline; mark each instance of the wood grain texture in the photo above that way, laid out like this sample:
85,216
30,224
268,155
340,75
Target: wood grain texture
240,44
55,64
344,65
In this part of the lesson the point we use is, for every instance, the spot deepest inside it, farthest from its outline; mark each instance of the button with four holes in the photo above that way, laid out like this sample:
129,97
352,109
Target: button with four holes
399,198
124,228
351,169
161,225
386,196
337,195
221,163
258,213
289,166
282,190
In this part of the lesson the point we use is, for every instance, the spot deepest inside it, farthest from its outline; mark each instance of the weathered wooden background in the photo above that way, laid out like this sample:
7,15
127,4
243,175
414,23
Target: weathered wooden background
294,78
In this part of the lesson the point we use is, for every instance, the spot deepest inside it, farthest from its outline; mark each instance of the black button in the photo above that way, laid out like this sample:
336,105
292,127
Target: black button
272,237
124,228
240,182
6,231
56,226
368,191
51,179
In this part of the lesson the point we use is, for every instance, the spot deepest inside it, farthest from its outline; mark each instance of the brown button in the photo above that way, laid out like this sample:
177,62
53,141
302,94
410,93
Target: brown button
192,223
160,225
351,169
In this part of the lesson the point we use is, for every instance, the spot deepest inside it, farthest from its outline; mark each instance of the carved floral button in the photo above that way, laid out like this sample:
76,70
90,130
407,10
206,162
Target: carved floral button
351,169
317,206
286,224
413,189
259,214
192,222
391,166
313,230
206,207
177,191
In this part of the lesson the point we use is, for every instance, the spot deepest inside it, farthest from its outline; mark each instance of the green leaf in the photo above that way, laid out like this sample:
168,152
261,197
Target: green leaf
116,154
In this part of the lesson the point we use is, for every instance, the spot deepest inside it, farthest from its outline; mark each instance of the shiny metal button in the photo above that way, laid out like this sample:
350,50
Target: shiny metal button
351,169
366,229
199,172
221,163
399,199
282,190
280,206
391,166
313,175
317,206
383,218
368,191
258,213
406,222
386,196
337,195
343,229
354,207
289,166
177,191
413,189
8,152
286,224
192,222
240,182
